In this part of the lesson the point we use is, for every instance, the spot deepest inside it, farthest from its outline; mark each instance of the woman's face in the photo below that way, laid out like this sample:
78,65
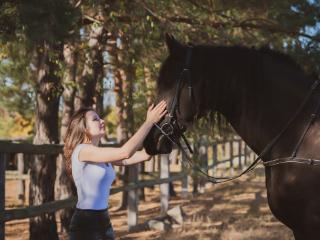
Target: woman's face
95,125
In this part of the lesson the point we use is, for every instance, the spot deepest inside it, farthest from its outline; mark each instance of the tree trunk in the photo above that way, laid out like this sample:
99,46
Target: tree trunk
91,72
71,59
122,133
64,187
43,171
98,72
98,98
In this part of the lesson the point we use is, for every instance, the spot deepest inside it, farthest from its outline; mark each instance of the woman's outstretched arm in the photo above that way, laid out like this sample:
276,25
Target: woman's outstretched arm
92,153
137,157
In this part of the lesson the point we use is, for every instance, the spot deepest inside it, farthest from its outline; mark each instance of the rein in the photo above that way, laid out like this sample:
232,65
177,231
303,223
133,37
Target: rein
167,130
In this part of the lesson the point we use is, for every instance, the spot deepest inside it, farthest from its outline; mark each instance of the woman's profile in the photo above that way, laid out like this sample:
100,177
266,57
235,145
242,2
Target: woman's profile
92,171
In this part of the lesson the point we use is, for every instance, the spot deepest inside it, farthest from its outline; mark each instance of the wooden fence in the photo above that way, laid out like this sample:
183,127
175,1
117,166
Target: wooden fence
210,164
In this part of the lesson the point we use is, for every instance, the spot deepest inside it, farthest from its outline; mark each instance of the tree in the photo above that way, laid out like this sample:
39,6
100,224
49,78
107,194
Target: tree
42,27
43,168
64,186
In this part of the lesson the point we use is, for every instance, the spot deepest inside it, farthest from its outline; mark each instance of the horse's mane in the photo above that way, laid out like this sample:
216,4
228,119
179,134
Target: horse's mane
265,50
280,55
218,120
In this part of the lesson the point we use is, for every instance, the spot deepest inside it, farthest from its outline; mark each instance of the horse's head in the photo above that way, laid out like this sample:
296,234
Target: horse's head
176,86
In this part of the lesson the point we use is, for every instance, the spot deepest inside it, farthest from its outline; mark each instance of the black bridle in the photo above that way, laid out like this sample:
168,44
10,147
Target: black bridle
170,128
170,125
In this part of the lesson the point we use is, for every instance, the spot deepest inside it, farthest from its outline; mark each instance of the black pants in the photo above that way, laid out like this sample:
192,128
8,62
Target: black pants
90,224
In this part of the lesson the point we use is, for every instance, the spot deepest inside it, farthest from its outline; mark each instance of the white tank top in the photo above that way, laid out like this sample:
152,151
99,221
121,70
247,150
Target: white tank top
92,180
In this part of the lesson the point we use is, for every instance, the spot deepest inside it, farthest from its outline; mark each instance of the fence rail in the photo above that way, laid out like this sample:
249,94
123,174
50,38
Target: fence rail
7,148
34,211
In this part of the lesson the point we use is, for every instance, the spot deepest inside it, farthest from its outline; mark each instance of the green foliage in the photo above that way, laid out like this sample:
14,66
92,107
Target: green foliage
13,125
9,21
24,27
50,20
282,25
5,127
17,81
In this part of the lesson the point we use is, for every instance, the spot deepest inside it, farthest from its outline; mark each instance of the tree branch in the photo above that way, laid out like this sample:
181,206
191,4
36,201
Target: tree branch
250,23
266,24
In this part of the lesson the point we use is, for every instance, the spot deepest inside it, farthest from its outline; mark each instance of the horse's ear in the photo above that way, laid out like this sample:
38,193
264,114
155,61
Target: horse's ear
173,45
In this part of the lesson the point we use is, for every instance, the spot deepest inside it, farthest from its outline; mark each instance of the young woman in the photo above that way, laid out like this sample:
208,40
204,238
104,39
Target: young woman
92,171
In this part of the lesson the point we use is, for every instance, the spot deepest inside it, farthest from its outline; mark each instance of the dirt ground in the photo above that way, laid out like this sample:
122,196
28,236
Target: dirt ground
230,211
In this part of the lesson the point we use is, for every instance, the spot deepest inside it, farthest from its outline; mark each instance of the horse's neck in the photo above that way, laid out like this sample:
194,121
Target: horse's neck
260,101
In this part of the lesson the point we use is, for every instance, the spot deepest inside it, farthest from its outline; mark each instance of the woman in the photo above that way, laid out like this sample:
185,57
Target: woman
92,171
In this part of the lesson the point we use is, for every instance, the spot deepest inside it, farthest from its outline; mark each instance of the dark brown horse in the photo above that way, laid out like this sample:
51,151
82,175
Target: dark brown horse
258,91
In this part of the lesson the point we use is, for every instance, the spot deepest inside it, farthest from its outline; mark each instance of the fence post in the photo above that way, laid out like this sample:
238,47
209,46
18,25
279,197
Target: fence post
164,188
149,165
231,156
203,157
173,156
245,154
21,184
214,155
240,153
184,187
133,198
173,160
2,191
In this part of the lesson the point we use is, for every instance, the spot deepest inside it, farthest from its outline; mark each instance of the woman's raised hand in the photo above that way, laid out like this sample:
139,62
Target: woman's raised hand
154,114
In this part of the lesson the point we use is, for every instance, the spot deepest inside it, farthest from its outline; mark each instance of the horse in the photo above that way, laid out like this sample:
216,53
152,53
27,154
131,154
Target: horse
270,102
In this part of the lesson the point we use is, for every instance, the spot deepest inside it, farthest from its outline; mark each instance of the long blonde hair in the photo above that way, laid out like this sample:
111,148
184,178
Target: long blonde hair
75,135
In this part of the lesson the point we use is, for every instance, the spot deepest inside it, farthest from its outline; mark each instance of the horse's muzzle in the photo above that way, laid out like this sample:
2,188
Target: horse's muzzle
164,146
